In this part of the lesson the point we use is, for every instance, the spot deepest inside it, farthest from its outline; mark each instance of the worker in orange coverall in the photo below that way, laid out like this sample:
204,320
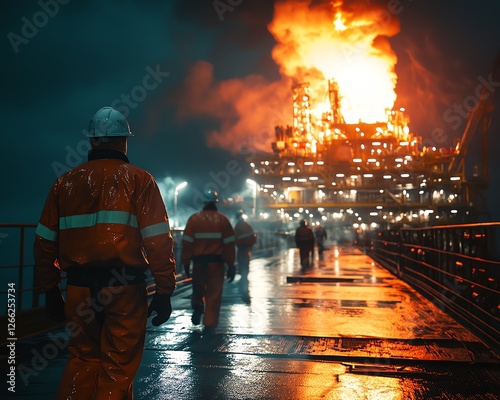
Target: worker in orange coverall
245,239
304,240
208,241
320,235
104,223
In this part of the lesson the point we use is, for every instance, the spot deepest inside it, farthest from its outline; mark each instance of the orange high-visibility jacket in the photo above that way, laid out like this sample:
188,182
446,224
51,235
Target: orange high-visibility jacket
245,236
208,233
105,213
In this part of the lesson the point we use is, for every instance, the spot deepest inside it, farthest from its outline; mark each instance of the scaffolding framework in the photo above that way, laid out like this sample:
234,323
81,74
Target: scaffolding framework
371,172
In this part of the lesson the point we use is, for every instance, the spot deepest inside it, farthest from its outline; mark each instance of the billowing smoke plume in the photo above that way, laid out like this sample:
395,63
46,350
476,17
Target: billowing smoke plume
246,108
315,42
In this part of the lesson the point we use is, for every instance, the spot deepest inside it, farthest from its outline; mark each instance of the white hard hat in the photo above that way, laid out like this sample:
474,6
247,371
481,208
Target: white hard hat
108,122
210,196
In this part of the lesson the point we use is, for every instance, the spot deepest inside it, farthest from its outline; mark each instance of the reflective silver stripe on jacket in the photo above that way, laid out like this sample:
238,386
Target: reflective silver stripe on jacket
244,235
46,233
156,229
227,240
100,217
208,235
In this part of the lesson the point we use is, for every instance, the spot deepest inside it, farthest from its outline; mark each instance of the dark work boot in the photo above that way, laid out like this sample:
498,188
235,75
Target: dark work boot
196,317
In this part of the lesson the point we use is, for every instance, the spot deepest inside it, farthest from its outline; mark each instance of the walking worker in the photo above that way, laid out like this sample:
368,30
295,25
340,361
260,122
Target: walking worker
245,239
304,240
104,223
320,235
208,241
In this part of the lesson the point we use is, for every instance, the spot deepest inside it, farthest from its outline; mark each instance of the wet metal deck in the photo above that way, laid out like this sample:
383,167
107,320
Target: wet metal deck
346,329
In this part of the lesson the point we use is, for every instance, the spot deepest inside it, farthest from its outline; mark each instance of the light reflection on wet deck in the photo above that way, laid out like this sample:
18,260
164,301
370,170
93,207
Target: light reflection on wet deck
301,339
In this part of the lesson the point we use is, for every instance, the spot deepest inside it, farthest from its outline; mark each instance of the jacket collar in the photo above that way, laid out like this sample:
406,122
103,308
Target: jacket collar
103,154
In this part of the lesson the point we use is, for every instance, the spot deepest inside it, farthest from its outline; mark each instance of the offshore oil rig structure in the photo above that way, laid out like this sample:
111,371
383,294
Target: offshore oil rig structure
369,176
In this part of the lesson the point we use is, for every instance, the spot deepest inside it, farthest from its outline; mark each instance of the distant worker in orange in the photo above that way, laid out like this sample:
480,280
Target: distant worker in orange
245,239
304,240
104,223
320,235
208,241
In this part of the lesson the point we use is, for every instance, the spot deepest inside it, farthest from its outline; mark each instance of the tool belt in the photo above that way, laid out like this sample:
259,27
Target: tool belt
104,276
208,258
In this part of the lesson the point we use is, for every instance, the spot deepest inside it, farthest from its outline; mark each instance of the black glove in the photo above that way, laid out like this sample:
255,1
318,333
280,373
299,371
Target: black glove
54,304
231,273
161,304
187,271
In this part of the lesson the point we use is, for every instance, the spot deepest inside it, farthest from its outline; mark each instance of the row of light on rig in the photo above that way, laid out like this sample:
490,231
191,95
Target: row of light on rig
403,175
435,194
354,177
342,214
350,196
400,161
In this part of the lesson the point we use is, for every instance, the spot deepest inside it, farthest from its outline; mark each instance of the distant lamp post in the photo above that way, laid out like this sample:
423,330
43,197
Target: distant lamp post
177,188
254,195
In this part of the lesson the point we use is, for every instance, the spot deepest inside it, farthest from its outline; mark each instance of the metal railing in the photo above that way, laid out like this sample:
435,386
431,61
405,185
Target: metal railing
455,265
17,264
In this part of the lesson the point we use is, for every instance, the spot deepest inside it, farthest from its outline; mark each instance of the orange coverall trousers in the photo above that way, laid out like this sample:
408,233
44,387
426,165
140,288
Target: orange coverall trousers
208,282
107,341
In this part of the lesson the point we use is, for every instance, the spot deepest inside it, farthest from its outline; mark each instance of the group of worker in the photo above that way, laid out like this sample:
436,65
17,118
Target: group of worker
104,224
305,239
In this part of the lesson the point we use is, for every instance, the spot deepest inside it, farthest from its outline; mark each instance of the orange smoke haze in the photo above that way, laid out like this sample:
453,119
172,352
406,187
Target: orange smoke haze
248,109
314,43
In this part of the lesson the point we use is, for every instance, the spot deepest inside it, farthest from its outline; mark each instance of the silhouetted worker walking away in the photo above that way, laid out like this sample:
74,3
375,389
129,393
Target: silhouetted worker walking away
104,223
208,241
245,239
304,240
320,235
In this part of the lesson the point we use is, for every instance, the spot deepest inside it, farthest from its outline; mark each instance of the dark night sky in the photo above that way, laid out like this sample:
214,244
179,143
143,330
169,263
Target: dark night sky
92,53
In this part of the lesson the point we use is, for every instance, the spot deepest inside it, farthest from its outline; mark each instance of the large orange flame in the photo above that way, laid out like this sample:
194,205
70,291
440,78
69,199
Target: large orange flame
315,43
347,44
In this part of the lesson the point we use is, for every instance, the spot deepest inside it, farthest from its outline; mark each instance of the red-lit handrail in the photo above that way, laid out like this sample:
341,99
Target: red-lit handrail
457,265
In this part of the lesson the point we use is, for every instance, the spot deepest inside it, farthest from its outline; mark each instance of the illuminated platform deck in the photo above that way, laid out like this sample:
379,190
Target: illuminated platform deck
345,329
